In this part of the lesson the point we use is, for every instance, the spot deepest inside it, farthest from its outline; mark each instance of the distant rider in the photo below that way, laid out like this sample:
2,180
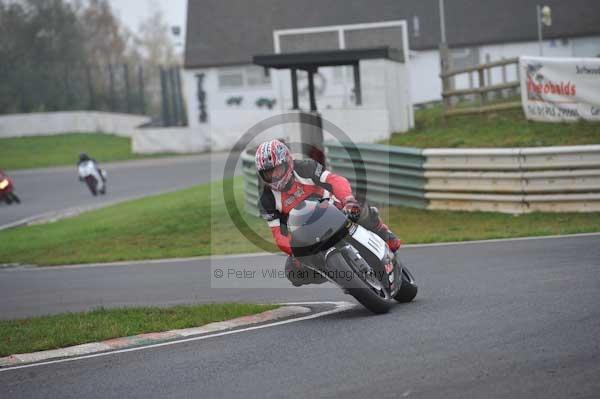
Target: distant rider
98,173
288,182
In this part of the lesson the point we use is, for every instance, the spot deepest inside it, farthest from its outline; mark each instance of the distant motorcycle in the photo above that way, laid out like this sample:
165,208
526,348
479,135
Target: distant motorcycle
7,191
347,254
94,177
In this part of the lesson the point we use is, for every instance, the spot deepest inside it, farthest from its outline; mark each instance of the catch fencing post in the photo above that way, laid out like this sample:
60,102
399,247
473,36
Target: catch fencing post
88,75
111,81
166,112
142,100
127,88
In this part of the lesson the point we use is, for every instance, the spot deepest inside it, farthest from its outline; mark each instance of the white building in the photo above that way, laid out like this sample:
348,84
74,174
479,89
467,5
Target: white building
226,94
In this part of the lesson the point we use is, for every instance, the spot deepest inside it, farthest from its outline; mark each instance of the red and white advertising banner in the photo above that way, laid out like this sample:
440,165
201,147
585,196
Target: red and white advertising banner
560,89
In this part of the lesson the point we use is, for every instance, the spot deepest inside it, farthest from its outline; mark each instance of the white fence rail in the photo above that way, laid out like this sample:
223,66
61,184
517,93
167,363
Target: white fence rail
519,180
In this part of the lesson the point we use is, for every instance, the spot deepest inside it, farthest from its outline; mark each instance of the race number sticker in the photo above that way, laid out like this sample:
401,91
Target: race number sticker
371,241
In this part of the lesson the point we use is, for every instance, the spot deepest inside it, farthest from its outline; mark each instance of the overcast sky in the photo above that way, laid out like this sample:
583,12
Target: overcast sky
132,12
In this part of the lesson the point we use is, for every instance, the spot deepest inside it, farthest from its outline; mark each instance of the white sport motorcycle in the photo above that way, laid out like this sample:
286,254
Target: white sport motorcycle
349,255
94,177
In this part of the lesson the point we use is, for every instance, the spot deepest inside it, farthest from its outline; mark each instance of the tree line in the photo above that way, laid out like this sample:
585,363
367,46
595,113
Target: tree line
66,55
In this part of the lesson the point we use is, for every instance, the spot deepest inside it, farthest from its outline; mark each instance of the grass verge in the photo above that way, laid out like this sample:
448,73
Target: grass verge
63,330
194,222
499,129
64,149
191,222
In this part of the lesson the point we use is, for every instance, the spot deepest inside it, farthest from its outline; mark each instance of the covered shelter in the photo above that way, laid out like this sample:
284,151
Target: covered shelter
311,61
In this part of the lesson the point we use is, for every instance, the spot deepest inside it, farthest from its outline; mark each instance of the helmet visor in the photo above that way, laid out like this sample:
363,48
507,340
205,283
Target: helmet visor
275,174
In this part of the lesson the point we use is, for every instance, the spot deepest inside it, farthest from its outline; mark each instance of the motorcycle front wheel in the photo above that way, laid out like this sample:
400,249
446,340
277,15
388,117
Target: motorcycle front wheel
365,288
378,302
408,289
374,296
91,183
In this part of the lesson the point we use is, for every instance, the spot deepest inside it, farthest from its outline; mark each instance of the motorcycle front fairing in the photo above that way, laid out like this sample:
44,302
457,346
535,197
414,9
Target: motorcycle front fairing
314,226
86,169
324,236
378,255
4,184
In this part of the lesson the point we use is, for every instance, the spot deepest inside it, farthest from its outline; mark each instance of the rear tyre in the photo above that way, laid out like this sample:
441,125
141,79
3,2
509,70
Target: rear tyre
408,289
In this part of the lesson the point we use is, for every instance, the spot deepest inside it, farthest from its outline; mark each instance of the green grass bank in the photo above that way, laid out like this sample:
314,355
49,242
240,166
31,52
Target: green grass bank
195,222
63,330
64,149
499,129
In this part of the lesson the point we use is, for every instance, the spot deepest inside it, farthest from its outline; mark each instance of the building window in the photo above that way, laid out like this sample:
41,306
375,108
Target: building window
231,78
239,78
256,76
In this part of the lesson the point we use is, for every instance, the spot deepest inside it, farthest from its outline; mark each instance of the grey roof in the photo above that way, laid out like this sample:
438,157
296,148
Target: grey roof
309,60
229,32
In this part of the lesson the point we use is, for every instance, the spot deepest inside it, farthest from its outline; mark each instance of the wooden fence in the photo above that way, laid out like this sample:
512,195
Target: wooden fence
481,92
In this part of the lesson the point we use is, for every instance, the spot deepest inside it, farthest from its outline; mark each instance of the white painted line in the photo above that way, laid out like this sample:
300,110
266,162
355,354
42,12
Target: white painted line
149,261
500,240
340,307
130,341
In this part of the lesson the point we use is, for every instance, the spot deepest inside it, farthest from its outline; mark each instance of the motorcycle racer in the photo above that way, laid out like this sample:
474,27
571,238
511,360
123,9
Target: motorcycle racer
288,182
87,165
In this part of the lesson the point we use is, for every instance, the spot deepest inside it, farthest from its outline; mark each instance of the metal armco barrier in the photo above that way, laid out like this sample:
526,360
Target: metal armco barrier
392,175
514,180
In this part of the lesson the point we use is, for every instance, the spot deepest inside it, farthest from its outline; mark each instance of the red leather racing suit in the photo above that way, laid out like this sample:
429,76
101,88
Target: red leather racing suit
310,179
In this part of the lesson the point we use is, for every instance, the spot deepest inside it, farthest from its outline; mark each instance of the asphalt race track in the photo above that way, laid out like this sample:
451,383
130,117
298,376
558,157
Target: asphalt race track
44,191
508,319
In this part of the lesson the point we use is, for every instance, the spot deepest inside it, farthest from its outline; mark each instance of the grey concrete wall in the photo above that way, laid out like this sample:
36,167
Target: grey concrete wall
52,123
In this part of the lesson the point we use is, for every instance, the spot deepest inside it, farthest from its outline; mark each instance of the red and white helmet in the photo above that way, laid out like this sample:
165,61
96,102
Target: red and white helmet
275,164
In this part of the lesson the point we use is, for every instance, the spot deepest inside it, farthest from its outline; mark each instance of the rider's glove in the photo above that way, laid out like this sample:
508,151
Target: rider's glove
352,208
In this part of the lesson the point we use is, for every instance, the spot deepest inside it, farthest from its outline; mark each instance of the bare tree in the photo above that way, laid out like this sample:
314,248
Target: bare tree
105,38
154,39
39,39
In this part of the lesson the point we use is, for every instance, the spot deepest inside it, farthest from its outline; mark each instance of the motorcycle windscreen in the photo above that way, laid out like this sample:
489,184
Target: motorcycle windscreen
315,225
